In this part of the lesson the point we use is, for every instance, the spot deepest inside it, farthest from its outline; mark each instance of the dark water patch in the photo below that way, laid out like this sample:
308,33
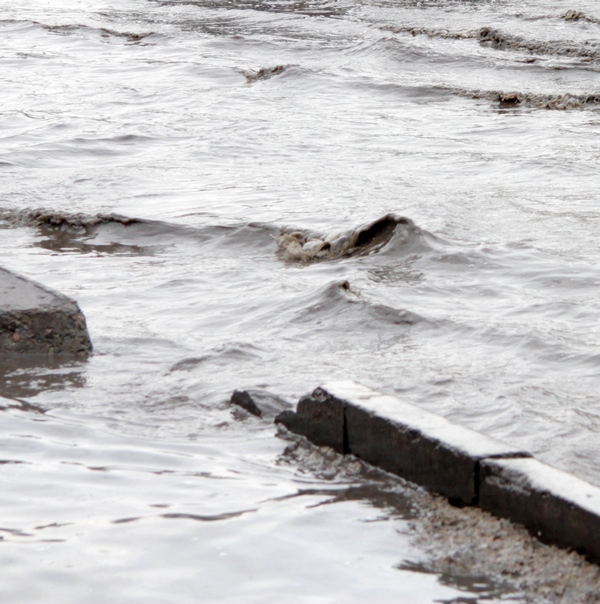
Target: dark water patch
182,516
27,375
392,503
64,232
223,357
480,588
264,73
16,532
399,232
53,525
69,29
206,517
339,307
66,243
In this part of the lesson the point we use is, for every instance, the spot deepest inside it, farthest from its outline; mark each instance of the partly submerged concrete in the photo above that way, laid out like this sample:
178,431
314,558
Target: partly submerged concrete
554,505
37,320
398,437
463,465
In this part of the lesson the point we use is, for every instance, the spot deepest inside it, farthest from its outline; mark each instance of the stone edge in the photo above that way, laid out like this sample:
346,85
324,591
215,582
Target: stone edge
58,327
554,506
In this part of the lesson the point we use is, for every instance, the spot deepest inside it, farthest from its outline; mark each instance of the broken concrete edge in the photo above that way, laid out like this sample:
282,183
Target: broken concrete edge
36,320
398,437
467,467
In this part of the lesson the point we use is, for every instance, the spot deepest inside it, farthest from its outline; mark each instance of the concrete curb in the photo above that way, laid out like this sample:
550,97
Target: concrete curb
37,320
555,506
465,466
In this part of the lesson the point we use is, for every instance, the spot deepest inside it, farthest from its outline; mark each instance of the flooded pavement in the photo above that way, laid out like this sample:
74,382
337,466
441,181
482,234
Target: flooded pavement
155,155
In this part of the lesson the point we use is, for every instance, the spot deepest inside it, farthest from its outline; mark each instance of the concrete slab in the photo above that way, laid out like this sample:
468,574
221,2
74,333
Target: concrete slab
416,444
320,418
398,437
555,506
461,464
37,320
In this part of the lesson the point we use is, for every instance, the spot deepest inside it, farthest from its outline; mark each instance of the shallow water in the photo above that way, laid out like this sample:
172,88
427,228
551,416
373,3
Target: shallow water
214,125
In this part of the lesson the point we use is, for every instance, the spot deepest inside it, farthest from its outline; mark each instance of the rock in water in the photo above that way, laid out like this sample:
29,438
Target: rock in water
37,320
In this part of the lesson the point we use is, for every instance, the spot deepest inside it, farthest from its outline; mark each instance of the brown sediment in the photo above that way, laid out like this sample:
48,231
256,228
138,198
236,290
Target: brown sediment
304,245
559,102
575,15
264,73
462,541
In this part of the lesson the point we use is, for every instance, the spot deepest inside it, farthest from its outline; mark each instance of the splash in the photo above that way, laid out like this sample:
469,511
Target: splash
298,245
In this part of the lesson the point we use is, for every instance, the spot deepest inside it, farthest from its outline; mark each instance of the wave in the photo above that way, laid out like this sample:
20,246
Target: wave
500,41
306,245
78,232
103,32
494,38
340,306
309,8
117,234
234,353
52,218
559,102
575,15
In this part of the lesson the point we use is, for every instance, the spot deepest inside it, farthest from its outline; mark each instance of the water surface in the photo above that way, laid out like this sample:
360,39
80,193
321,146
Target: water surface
150,153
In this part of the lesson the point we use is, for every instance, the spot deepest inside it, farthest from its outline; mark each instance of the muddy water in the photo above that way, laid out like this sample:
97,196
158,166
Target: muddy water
154,154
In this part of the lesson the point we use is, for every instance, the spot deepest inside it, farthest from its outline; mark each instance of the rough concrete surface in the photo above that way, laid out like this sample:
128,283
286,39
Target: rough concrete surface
556,506
320,418
37,320
470,541
398,437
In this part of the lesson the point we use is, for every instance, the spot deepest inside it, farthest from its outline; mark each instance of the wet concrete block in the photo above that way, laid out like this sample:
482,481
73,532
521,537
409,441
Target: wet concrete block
37,320
320,418
413,443
555,506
